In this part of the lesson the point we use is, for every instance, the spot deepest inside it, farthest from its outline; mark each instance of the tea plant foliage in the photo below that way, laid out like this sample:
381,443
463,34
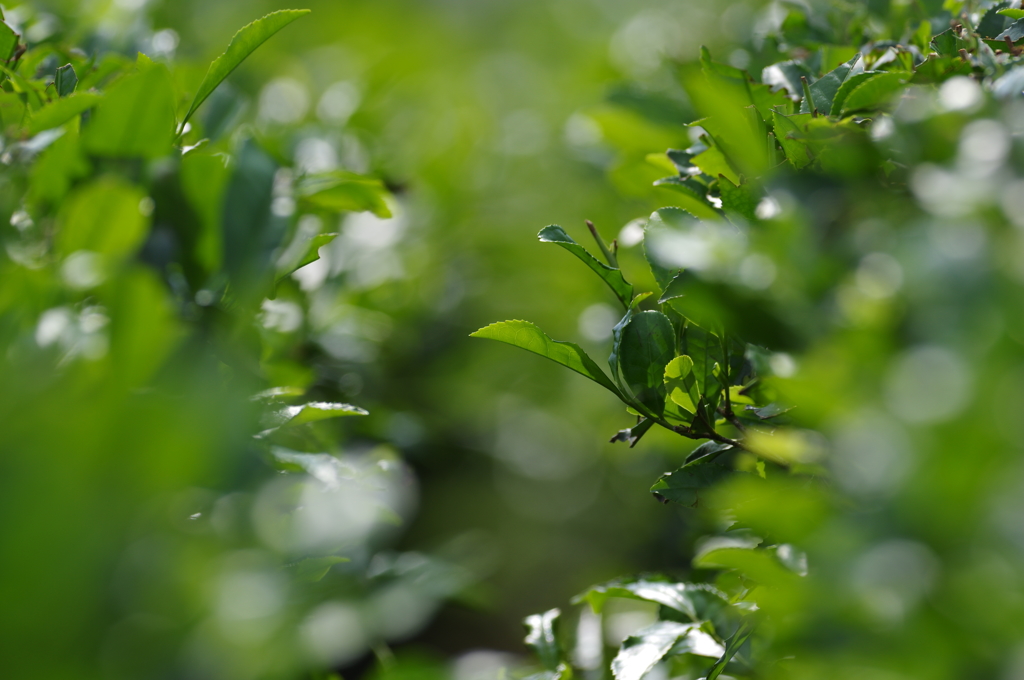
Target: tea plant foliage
790,332
147,247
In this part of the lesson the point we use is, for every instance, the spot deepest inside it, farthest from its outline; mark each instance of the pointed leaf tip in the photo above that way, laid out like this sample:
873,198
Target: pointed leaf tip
526,335
244,43
610,275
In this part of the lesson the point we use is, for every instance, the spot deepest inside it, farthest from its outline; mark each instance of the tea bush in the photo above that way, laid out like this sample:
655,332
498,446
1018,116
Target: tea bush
835,315
167,446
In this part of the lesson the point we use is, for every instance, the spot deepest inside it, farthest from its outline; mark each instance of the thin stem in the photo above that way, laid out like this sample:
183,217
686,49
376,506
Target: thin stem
608,254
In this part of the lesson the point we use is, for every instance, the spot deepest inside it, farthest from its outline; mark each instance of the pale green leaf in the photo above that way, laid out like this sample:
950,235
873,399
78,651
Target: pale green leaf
135,117
60,111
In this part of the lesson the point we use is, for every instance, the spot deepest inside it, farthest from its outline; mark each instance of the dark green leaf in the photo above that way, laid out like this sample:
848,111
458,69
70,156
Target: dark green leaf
994,21
685,485
949,44
610,275
527,336
241,46
251,231
65,81
823,90
646,346
708,450
1014,31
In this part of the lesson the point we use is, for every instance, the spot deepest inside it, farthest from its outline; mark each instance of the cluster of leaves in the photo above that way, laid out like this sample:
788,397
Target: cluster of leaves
147,229
693,356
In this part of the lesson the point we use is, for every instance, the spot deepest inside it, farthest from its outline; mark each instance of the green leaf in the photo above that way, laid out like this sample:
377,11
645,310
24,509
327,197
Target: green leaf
57,167
680,383
732,646
251,231
824,89
704,349
339,191
304,253
1012,13
313,569
12,109
642,652
241,46
874,92
738,199
60,111
685,485
525,335
8,41
65,80
672,595
713,162
992,23
646,346
949,44
790,136
204,177
135,117
540,637
760,566
690,198
103,217
292,416
610,275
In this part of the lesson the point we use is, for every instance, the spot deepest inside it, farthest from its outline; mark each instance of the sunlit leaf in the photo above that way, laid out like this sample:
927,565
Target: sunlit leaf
527,336
642,651
342,191
610,275
241,46
60,111
541,638
317,410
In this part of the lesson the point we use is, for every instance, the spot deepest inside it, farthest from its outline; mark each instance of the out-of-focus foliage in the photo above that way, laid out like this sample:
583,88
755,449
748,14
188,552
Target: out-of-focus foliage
155,383
853,215
891,310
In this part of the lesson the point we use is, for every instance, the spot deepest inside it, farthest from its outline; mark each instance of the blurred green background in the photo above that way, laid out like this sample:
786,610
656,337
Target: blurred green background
488,120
